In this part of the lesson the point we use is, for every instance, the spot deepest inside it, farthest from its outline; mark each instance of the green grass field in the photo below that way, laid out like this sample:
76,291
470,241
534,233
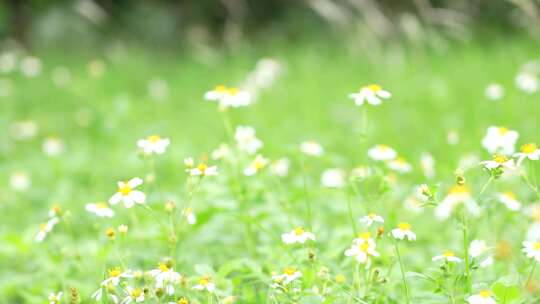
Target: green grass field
240,219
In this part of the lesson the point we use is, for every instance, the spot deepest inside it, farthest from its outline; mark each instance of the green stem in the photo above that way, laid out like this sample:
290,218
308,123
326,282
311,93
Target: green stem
306,196
530,274
351,216
466,252
405,286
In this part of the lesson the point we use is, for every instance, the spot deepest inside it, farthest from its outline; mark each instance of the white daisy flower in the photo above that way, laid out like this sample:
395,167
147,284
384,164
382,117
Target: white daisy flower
53,146
371,218
54,298
256,165
382,153
114,275
221,152
166,278
311,148
361,172
20,181
203,170
100,209
216,94
373,94
458,194
477,248
133,294
498,161
532,250
527,82
333,178
153,144
297,235
45,228
404,231
529,151
447,256
509,199
127,195
30,66
483,297
289,275
494,91
362,249
399,165
246,139
280,167
235,98
500,140
205,283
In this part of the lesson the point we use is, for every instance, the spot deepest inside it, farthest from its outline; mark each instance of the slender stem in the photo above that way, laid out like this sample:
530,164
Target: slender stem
466,252
306,195
351,216
484,188
364,123
405,286
531,274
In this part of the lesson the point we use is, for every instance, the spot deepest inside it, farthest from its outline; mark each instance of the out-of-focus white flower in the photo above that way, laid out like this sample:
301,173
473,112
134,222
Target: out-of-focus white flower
452,138
280,167
20,181
399,165
30,66
221,152
100,209
458,194
123,229
190,216
494,91
468,161
228,97
529,151
500,140
205,283
23,130
527,82
45,228
370,218
289,275
61,76
153,144
361,172
256,165
166,278
382,153
483,297
509,199
333,178
53,146
311,148
55,298
447,256
8,62
246,139
127,195
478,248
498,161
427,164
133,294
532,250
403,231
297,235
373,94
96,68
158,89
204,170
263,76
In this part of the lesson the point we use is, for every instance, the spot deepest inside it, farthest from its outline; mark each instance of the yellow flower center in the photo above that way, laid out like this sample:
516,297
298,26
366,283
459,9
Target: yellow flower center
154,138
536,246
528,148
448,254
136,292
404,226
42,227
183,301
289,271
299,231
204,281
233,91
202,167
383,147
258,165
501,159
510,195
364,247
115,272
56,209
374,88
101,205
372,215
163,267
457,189
400,161
365,235
220,88
503,130
484,294
125,189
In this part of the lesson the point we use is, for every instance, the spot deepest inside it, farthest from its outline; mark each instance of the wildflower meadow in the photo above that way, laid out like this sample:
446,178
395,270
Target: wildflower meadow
271,172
